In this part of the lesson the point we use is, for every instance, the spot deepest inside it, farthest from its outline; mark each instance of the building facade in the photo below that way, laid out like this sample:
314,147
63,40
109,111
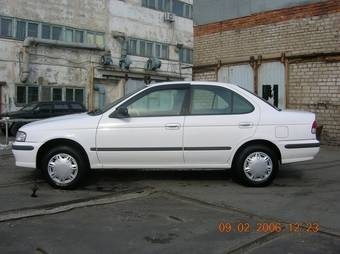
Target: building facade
90,51
287,51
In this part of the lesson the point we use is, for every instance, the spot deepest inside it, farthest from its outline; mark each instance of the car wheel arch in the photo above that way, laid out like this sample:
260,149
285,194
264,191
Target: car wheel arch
262,142
57,142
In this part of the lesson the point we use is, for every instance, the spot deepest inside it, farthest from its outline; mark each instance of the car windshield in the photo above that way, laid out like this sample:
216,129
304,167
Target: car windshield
29,107
278,109
114,103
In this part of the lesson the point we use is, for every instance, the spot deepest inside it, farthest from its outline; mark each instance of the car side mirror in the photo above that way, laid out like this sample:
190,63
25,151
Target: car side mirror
120,112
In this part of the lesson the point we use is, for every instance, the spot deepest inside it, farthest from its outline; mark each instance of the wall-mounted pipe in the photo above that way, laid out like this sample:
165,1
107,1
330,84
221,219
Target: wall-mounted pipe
101,90
30,41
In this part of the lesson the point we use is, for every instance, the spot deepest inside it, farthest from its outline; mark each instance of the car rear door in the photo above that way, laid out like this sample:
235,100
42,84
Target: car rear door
218,120
152,134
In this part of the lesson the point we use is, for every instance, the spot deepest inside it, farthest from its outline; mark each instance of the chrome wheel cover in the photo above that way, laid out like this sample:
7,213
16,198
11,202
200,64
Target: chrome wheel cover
62,169
258,167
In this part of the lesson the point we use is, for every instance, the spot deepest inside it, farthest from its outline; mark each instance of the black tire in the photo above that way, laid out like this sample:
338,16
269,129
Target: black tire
77,159
238,171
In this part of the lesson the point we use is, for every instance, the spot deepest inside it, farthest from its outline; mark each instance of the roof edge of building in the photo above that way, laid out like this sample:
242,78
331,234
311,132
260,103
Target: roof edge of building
269,17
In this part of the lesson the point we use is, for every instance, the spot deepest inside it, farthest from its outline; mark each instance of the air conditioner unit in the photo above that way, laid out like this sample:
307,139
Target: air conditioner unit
153,64
125,62
169,17
106,59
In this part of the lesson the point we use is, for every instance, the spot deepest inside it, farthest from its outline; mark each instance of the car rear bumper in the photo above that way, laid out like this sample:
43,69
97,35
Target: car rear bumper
300,150
25,154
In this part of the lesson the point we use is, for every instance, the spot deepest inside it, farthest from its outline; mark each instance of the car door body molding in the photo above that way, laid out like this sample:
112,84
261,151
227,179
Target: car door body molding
158,149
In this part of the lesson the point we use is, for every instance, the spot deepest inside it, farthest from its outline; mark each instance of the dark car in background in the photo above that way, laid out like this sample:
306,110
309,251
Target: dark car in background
41,110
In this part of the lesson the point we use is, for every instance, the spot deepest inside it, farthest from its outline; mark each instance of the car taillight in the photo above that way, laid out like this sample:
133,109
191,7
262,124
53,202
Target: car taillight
314,126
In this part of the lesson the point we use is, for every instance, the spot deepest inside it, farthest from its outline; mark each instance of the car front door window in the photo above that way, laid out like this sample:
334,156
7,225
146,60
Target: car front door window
166,102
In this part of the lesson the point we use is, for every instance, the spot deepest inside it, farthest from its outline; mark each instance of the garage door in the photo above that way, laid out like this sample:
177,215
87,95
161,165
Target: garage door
271,83
242,75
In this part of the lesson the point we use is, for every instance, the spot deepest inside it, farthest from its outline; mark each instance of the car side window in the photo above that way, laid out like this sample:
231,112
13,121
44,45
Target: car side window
76,107
61,108
165,102
207,100
241,105
44,108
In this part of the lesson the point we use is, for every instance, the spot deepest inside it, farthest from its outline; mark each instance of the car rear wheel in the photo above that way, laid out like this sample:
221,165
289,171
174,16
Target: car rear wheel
255,166
64,167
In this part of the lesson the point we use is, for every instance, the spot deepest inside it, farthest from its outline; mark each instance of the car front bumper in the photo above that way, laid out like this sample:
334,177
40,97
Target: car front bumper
25,154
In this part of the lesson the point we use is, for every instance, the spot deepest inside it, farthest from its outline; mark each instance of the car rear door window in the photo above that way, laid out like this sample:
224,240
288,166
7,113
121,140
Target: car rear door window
215,100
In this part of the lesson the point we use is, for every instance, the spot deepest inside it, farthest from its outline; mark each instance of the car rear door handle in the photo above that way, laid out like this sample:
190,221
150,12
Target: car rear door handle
172,126
245,125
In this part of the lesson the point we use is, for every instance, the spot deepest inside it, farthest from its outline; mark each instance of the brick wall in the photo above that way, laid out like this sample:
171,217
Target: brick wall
298,30
315,87
208,76
304,33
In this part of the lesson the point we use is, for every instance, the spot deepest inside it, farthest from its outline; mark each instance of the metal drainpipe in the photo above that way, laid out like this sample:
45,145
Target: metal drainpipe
30,41
101,90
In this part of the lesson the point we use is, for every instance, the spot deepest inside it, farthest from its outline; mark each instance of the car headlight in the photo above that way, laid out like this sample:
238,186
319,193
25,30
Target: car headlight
21,136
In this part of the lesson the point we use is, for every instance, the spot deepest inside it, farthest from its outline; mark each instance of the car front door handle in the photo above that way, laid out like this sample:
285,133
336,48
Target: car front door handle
245,125
172,126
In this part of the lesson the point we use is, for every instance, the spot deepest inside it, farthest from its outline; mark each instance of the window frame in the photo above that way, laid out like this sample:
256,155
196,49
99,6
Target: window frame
98,36
12,30
50,30
50,88
61,36
184,54
16,29
183,111
168,6
26,94
209,87
33,23
141,50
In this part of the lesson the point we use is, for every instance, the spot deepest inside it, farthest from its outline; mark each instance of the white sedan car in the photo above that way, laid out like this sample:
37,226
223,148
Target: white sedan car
174,125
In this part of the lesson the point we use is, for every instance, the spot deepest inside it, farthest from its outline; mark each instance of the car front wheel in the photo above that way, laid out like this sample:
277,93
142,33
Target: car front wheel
64,167
255,166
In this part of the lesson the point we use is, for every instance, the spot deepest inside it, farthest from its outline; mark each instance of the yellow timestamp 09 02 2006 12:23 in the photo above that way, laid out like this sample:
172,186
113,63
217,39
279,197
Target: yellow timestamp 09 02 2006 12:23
267,227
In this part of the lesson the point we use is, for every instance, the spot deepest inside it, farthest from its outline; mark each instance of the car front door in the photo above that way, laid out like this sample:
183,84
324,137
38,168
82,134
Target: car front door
149,135
217,121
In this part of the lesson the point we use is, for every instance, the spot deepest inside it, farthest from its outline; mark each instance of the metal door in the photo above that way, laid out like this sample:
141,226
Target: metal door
271,83
242,75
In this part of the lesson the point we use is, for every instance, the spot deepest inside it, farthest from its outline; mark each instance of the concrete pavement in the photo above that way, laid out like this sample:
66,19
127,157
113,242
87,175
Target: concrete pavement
173,212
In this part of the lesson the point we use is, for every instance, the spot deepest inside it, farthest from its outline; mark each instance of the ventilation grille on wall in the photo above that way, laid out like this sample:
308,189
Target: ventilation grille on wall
169,17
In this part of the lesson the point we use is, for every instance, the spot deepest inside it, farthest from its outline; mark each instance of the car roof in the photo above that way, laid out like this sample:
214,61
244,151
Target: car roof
213,83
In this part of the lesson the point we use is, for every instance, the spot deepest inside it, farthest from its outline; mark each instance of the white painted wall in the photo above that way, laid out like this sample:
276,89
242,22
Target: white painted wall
69,67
